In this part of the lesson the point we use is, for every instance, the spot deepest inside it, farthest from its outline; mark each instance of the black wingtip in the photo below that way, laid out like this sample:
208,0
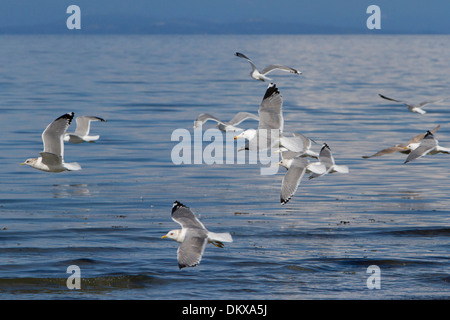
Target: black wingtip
284,201
69,116
176,205
181,266
271,90
326,146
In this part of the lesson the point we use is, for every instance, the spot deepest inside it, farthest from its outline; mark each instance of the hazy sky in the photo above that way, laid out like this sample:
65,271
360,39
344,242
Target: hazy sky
396,15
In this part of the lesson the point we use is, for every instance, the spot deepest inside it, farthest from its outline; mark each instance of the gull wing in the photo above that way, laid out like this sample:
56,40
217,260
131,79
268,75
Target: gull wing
53,135
292,179
241,55
273,67
241,116
191,249
428,143
396,148
424,103
270,109
84,123
50,159
390,99
185,217
203,117
419,137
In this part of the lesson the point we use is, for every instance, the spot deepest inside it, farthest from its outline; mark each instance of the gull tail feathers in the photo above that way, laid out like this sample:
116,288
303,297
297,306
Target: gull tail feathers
341,169
221,237
73,166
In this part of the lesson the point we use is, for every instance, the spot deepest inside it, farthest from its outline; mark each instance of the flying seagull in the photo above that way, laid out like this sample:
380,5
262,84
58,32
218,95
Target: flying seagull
297,144
413,107
326,159
52,158
225,125
261,75
193,236
270,125
403,147
81,133
428,145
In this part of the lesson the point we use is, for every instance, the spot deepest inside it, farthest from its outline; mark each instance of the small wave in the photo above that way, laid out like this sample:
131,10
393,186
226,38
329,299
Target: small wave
98,284
420,232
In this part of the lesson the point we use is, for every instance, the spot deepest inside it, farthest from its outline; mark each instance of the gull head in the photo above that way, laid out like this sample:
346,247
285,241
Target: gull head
285,163
30,162
411,146
247,134
174,234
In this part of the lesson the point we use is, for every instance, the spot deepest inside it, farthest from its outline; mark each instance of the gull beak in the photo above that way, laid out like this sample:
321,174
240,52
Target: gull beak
22,163
277,151
163,237
278,163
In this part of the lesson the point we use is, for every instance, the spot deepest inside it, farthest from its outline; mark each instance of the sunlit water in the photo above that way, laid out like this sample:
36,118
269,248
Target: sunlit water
108,219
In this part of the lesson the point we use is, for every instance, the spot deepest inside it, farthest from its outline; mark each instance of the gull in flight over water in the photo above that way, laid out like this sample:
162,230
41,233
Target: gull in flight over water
261,75
428,145
193,236
297,144
52,158
81,133
297,165
270,125
326,164
405,148
414,107
225,125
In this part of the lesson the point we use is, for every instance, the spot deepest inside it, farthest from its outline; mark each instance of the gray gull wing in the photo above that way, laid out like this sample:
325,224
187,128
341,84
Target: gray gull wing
185,217
427,144
270,109
292,179
53,135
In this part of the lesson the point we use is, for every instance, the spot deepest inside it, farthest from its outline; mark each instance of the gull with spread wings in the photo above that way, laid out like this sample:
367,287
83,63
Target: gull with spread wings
261,75
193,236
52,158
414,107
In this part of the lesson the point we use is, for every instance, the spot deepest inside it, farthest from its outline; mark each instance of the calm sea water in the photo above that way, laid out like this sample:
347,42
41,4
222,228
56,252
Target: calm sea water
108,219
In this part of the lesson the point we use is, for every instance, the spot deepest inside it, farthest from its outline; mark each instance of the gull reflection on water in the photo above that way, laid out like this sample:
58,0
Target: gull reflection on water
70,190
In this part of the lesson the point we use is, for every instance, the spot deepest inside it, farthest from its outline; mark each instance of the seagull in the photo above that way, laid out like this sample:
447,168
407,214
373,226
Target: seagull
298,144
255,74
405,148
193,236
414,107
326,159
52,158
429,144
271,122
223,125
81,133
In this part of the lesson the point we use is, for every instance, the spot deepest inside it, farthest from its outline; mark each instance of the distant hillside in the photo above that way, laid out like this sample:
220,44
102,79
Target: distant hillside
106,24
